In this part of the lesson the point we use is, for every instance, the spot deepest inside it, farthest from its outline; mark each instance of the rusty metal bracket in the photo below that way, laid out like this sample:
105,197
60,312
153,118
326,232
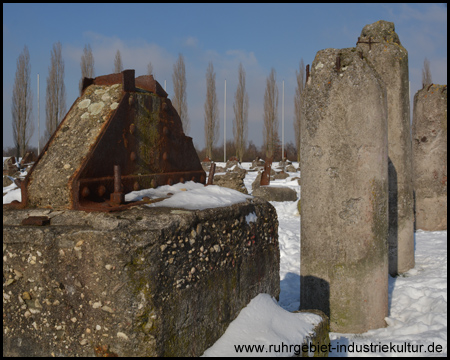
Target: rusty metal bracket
307,73
338,63
265,176
212,170
370,42
140,144
36,221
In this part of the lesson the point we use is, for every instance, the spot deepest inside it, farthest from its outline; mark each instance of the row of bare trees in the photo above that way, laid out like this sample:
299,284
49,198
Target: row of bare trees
22,104
55,98
251,151
22,98
56,106
21,109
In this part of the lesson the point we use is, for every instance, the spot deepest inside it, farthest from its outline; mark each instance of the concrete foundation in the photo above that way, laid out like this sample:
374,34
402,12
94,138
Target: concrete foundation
430,157
344,212
381,47
141,282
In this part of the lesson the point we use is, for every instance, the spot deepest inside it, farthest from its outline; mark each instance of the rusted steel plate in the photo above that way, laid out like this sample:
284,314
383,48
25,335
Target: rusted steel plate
135,128
36,220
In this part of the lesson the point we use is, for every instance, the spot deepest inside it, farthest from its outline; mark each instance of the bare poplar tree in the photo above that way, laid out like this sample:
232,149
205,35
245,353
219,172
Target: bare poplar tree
179,88
150,69
118,66
211,111
55,104
270,131
426,73
22,104
240,123
87,64
297,105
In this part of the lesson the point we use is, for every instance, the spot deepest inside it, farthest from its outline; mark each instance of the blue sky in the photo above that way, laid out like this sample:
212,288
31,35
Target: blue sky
261,36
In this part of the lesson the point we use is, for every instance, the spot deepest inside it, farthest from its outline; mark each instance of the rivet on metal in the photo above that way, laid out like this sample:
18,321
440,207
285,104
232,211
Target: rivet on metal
136,186
153,183
85,192
170,182
182,180
193,178
132,128
101,190
133,156
165,156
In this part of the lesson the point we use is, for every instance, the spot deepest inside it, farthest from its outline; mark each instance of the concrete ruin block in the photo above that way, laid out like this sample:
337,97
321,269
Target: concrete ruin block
344,202
232,180
275,193
381,47
141,282
430,157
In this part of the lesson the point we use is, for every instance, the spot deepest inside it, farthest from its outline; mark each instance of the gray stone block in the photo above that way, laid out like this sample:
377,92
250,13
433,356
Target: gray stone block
390,60
344,198
430,157
275,193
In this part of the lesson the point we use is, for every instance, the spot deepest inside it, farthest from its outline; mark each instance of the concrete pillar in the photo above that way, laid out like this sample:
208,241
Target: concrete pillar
381,46
344,212
430,157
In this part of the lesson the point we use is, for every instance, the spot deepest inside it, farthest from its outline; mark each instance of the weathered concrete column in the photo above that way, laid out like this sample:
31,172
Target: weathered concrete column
430,157
381,46
344,212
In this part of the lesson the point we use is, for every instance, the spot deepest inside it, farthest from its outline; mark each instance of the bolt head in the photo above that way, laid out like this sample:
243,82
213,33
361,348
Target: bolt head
101,190
85,192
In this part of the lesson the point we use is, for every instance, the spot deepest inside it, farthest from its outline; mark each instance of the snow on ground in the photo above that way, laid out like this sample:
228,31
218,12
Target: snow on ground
11,193
417,320
418,306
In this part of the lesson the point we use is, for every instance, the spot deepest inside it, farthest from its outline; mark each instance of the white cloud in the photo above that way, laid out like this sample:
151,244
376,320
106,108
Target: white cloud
135,54
191,41
247,58
433,13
